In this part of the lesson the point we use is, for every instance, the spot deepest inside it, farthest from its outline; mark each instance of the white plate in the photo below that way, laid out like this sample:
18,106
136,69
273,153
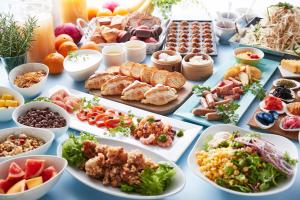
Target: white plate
35,193
292,88
279,141
290,129
262,105
180,144
43,134
285,100
261,125
287,74
178,181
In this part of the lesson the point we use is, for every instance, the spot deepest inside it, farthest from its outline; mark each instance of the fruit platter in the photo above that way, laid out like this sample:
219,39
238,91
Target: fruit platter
136,99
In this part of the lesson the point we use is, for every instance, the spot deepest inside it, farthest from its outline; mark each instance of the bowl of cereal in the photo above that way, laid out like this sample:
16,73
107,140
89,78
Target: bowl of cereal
29,79
9,101
248,55
44,115
17,141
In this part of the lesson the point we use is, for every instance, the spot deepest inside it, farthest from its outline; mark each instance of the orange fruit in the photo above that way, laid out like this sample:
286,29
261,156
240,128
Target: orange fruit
54,61
66,47
104,12
92,12
120,11
90,45
61,39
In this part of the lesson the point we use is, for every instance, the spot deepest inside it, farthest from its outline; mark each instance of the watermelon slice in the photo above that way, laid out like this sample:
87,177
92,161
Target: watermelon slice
15,174
5,185
48,173
33,168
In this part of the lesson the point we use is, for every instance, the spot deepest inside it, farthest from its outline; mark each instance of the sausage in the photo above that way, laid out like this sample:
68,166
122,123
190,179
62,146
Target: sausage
237,90
210,99
205,92
202,111
203,102
225,90
236,82
226,101
214,89
213,116
232,97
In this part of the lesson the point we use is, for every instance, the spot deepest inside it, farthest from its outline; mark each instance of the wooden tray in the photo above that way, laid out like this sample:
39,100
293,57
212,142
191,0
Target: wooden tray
275,129
183,94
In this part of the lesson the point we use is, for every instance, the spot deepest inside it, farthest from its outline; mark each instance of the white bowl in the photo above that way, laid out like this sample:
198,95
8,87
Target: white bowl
136,50
43,134
35,89
178,181
280,112
82,71
281,142
59,163
41,105
114,55
6,113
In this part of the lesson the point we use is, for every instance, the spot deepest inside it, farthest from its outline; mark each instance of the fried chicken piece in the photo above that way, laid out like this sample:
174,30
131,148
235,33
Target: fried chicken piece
112,176
94,167
116,156
89,149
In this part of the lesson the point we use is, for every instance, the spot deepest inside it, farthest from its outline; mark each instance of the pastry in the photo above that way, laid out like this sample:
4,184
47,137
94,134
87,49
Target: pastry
125,69
147,73
136,70
160,95
116,85
159,77
294,108
97,80
175,80
291,65
109,34
135,91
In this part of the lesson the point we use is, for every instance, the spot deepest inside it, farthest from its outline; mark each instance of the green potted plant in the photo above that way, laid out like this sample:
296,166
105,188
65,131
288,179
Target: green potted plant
15,40
165,7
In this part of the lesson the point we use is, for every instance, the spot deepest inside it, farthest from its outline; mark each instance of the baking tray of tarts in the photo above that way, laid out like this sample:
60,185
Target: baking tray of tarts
191,36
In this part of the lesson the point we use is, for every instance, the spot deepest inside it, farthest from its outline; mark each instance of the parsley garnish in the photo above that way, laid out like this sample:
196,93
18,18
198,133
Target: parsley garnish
227,112
180,133
256,89
199,89
43,99
151,120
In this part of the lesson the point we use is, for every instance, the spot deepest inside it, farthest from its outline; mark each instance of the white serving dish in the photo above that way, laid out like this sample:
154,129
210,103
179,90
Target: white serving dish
177,185
293,88
262,125
287,74
43,134
6,113
172,153
283,143
262,107
38,104
85,73
59,163
290,129
35,89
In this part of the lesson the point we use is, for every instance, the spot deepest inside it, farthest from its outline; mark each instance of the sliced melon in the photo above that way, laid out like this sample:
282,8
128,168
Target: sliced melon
34,182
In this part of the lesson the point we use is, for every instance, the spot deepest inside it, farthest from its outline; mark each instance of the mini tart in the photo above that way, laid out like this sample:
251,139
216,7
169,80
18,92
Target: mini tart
290,129
262,107
262,126
297,84
285,100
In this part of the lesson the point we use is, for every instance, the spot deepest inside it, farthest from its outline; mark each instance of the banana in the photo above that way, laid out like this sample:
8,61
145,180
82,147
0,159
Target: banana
136,6
150,9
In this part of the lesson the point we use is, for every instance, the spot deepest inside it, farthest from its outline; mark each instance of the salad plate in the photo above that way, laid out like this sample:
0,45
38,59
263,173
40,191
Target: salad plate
287,148
267,68
180,144
176,185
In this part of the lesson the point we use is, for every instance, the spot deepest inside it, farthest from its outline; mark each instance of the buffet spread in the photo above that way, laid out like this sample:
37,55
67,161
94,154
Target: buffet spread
126,146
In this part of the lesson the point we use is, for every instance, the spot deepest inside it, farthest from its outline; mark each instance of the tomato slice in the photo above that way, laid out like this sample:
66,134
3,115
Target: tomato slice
112,123
81,115
100,123
128,122
97,108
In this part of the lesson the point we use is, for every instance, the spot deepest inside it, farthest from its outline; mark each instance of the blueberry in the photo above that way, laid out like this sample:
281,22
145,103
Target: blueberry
268,118
275,114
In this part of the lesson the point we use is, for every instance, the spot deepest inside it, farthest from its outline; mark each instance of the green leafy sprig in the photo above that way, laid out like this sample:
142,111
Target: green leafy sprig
227,112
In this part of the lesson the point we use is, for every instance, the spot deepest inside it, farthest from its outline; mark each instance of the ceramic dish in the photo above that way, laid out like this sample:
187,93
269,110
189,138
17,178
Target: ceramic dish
285,100
35,89
173,152
290,129
41,105
253,62
262,105
297,84
83,64
267,67
35,193
283,143
43,134
176,186
136,50
174,65
262,125
6,113
287,74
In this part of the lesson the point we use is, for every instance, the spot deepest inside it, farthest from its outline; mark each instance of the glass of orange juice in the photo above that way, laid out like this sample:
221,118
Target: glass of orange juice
71,10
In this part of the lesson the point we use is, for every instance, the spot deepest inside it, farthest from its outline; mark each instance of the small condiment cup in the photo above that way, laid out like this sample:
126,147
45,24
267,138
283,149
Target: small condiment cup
227,16
167,65
196,72
225,30
114,55
136,50
253,62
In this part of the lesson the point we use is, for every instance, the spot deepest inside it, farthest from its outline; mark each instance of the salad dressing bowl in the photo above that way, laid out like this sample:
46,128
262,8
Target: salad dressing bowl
178,180
279,141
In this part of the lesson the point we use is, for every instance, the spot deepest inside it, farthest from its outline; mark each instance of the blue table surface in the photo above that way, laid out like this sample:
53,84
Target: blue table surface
68,188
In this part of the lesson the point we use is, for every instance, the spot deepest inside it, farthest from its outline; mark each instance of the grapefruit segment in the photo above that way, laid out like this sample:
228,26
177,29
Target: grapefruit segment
33,168
48,173
18,187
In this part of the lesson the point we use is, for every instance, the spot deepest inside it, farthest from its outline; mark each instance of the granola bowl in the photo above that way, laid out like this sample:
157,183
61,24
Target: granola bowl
36,142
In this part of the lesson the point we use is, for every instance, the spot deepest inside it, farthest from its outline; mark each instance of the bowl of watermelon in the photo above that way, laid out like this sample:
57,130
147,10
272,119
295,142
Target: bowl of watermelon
30,177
